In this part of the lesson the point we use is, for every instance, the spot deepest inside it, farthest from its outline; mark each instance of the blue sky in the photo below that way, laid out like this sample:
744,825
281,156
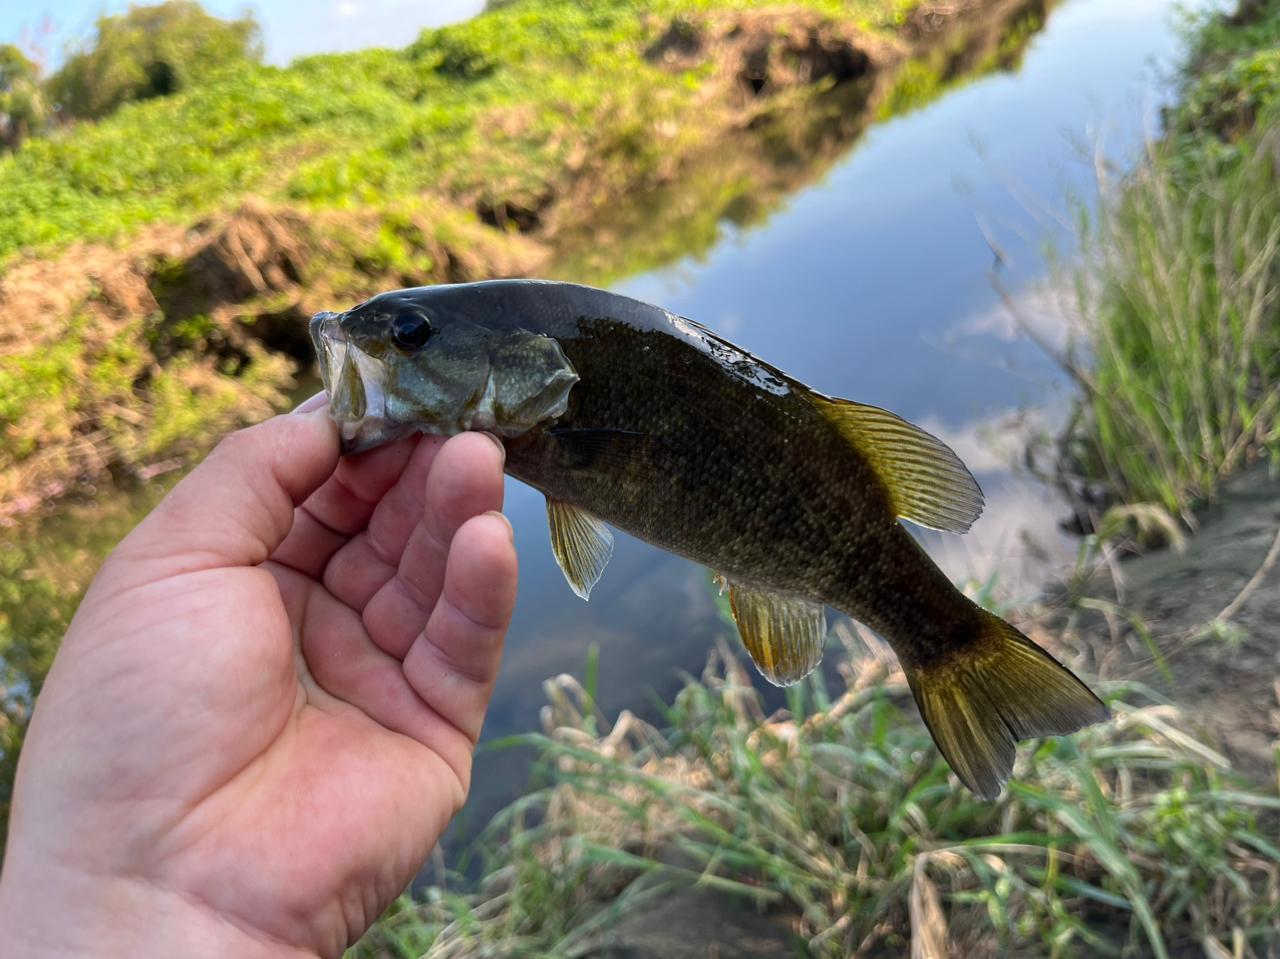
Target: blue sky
290,27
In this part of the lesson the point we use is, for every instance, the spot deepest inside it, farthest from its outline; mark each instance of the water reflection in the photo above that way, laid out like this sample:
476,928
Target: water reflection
873,282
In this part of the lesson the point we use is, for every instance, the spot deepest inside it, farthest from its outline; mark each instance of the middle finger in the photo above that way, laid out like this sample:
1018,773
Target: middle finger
360,567
342,506
465,481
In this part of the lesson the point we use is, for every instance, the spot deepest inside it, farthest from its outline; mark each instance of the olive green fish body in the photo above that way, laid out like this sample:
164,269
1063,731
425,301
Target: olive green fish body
622,413
661,444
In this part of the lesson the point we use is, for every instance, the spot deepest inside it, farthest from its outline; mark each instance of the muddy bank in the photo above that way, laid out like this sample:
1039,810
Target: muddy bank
122,356
1223,676
118,358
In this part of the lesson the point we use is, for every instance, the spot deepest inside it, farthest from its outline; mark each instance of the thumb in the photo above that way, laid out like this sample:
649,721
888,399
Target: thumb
237,506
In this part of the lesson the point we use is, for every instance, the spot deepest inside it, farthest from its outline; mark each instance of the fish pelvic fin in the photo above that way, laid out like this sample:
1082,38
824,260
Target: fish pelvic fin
927,482
783,634
582,544
982,700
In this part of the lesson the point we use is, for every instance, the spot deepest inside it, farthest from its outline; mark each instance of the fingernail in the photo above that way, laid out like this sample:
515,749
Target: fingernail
313,404
501,446
510,532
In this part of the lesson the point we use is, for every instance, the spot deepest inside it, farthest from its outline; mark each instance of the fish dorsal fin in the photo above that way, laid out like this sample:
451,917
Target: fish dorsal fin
926,480
783,634
582,545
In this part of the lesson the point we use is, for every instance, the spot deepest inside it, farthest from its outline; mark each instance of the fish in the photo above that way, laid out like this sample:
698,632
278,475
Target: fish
624,414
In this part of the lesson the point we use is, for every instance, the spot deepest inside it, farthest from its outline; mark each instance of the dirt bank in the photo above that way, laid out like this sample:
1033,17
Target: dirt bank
1224,679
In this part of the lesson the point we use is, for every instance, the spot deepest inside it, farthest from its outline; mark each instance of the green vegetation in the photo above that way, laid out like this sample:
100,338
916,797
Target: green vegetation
840,817
23,106
505,112
1182,384
1230,78
1180,366
74,404
152,51
948,65
546,136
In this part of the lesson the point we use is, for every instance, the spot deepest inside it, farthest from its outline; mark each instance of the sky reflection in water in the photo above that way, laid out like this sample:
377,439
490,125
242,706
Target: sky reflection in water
874,285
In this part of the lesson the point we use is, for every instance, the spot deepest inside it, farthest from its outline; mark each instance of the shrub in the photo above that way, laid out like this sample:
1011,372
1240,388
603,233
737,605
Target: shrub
152,51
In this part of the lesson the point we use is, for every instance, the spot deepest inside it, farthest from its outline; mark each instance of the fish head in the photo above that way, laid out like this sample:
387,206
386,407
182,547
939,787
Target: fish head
405,362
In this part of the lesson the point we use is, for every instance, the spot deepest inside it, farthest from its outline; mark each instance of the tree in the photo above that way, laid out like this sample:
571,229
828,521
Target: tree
23,107
152,51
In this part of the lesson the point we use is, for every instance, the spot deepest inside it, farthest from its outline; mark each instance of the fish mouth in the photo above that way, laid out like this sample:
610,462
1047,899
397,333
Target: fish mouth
505,383
354,381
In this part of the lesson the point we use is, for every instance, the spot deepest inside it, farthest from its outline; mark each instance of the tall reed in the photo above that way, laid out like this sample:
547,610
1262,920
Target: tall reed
1177,290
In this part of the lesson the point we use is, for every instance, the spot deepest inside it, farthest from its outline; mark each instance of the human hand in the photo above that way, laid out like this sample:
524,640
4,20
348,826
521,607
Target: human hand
263,714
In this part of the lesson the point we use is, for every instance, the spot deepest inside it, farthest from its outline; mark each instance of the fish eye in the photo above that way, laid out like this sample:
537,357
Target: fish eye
410,330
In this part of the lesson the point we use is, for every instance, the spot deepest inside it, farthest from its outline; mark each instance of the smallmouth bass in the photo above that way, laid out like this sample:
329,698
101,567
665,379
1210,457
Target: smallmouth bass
622,413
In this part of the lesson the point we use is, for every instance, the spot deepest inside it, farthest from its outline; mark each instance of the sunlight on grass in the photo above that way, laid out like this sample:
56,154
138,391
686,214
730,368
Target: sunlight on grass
1178,292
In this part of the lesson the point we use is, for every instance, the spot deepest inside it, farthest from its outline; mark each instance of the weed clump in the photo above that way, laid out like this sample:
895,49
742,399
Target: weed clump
840,816
1179,284
1179,290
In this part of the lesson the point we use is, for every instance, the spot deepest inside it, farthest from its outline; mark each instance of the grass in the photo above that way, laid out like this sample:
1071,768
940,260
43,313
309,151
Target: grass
1179,289
97,396
1230,77
840,817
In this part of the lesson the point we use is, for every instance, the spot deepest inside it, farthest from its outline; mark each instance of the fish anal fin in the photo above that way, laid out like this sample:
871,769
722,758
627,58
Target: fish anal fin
927,482
978,705
582,544
783,634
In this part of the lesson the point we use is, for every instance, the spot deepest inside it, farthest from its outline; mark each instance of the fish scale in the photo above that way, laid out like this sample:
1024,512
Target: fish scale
622,413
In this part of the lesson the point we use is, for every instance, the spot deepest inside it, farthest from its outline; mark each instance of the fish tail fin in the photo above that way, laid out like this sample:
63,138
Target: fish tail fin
999,689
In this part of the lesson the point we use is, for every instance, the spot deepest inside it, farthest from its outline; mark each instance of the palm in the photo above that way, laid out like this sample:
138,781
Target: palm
299,730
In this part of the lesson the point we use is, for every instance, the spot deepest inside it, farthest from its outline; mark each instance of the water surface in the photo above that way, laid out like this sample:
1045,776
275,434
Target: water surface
876,284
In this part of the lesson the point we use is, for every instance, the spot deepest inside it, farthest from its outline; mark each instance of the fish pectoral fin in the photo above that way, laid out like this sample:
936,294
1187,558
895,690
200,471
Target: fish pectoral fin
602,449
582,545
981,701
927,482
783,634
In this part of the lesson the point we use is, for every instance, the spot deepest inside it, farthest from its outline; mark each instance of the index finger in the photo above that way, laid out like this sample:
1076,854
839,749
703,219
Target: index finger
236,507
342,506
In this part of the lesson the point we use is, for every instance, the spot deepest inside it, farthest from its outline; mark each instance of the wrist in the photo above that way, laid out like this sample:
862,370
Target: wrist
57,913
